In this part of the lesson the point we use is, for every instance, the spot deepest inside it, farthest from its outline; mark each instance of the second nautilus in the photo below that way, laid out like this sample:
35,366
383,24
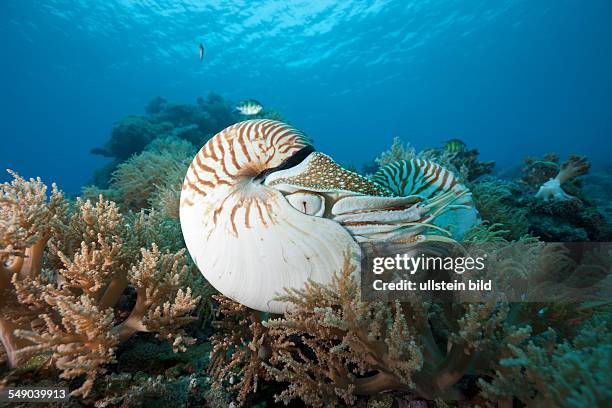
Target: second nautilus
261,210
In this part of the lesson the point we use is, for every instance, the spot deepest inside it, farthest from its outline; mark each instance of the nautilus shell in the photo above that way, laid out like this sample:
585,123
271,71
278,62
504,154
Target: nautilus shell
261,210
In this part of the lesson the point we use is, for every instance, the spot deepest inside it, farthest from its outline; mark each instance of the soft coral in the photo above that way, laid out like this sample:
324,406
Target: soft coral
551,190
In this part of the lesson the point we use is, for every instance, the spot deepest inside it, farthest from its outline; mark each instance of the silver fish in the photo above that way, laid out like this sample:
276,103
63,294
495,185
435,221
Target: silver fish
249,107
201,52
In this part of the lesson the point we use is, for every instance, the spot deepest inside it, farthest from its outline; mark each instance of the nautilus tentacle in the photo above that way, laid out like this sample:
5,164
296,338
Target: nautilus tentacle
377,209
245,237
436,185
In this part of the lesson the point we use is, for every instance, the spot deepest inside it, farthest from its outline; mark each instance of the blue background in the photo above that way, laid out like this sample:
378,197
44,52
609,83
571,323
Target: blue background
512,78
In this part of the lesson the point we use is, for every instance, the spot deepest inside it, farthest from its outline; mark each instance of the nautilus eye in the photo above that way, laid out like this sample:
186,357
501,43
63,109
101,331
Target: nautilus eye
308,203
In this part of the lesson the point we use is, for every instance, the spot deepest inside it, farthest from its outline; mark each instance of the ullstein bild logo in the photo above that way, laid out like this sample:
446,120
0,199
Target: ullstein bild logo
468,272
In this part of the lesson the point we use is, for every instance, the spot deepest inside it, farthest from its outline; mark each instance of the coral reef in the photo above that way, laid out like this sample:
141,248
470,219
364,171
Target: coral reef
537,172
555,213
597,186
65,268
463,162
152,178
193,123
551,190
570,373
239,347
99,295
397,151
497,203
334,349
130,135
566,221
475,168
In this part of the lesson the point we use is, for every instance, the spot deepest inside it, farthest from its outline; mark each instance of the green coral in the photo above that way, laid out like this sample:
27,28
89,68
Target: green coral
193,123
151,178
566,221
497,203
567,373
130,135
145,354
128,390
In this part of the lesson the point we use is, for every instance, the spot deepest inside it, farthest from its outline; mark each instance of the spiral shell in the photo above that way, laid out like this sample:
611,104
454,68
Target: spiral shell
245,237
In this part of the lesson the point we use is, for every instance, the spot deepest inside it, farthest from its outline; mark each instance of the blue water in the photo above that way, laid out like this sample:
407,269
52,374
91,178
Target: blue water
511,78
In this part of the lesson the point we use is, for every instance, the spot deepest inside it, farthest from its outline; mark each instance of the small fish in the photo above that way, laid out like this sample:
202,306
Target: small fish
249,107
201,52
454,146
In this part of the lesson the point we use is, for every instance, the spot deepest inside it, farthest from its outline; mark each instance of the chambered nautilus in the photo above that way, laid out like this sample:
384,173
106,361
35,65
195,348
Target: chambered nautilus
261,210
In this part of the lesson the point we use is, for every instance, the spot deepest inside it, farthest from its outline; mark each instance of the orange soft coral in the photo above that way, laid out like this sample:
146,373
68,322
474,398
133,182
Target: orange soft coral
25,223
64,302
574,166
551,190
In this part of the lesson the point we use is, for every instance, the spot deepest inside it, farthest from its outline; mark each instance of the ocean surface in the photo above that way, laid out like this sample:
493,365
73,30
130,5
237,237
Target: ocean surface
511,78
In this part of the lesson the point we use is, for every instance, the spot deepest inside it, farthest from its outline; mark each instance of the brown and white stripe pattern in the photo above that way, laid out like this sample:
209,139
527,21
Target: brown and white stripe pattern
221,174
240,152
245,236
415,177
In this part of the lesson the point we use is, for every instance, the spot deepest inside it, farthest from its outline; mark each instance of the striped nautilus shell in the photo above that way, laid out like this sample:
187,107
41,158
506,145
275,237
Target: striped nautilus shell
261,210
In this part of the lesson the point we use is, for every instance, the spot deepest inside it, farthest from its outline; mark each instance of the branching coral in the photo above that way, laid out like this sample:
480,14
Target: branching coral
551,190
333,348
566,373
397,151
342,347
239,349
26,214
348,347
65,303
